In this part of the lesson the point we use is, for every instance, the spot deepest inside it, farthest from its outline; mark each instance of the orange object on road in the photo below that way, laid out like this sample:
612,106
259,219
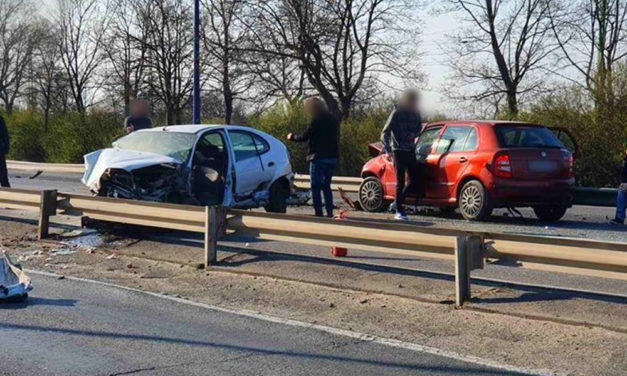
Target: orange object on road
340,251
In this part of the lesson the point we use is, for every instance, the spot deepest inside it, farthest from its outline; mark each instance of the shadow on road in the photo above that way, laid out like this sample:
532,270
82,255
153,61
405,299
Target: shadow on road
33,301
256,351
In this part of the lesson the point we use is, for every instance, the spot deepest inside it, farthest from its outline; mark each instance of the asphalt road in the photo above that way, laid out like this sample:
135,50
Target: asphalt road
70,327
579,222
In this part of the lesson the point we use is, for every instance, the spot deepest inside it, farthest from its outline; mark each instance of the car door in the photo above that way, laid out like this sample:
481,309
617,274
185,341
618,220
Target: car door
458,144
567,139
247,163
268,159
428,160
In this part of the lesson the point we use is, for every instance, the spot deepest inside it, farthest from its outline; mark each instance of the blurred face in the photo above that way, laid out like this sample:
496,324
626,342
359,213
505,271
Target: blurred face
409,102
140,108
309,108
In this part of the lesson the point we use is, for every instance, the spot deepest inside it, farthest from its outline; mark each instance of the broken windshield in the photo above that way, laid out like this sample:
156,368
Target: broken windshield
171,144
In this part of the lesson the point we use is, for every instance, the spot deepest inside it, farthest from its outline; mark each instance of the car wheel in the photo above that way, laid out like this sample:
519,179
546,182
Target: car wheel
550,213
278,199
371,195
473,201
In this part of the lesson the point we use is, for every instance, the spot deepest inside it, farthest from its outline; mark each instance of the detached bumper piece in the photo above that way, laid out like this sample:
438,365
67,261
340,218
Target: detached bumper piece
14,283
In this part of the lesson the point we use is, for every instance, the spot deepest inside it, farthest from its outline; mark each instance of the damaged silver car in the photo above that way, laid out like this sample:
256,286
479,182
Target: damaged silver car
235,166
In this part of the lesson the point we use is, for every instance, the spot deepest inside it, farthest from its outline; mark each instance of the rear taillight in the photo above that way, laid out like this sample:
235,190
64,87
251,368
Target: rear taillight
502,166
571,166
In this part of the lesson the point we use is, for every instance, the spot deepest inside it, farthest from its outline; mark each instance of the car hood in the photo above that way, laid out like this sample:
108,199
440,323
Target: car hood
98,162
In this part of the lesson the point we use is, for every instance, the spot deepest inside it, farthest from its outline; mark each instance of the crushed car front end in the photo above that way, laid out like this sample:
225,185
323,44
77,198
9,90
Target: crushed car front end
136,176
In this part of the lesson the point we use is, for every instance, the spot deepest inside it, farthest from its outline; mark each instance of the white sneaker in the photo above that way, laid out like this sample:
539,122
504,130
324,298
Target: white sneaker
400,217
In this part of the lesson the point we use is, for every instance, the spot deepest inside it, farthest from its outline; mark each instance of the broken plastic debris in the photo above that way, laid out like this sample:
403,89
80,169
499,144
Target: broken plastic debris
64,252
14,283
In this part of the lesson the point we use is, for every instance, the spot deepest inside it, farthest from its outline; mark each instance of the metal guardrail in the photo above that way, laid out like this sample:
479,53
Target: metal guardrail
602,197
468,249
46,167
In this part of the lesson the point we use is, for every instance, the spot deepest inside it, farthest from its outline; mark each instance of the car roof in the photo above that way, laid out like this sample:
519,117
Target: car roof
194,128
482,122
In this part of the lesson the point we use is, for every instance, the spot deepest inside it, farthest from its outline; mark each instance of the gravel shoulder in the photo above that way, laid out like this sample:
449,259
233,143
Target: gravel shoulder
541,330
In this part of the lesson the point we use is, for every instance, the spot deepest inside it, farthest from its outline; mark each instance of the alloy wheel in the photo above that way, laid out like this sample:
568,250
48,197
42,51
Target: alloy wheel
471,201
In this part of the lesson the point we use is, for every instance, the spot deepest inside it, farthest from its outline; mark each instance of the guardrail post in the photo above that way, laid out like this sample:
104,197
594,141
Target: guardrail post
462,270
469,255
47,208
215,226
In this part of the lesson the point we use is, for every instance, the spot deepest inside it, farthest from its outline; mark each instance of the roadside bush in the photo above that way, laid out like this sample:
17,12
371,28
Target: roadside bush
25,129
73,135
355,135
67,139
600,136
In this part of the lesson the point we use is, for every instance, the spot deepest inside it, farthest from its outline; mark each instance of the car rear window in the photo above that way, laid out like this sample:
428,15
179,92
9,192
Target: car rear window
521,136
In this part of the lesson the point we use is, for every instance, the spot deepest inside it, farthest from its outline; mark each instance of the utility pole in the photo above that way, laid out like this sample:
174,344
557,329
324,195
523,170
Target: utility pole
196,116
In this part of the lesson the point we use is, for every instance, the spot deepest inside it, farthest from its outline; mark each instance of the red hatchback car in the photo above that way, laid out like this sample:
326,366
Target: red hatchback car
478,166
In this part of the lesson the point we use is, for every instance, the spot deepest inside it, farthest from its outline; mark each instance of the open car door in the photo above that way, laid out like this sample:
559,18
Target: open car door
567,139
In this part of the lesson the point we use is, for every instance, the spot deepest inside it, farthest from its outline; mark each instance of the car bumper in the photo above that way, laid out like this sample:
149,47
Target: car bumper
504,193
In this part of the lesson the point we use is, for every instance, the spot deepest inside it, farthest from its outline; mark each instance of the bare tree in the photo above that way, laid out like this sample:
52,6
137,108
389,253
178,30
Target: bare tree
225,38
81,25
504,43
168,40
592,37
341,45
16,48
126,52
279,77
48,78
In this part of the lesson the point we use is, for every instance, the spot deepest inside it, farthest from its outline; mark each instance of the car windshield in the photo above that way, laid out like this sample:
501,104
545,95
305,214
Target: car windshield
171,144
523,136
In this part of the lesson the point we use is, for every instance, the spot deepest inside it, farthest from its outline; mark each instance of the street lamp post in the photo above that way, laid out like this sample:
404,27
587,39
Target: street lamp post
196,110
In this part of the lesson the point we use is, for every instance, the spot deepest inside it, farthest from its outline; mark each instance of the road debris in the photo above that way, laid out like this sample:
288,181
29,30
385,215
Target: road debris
14,284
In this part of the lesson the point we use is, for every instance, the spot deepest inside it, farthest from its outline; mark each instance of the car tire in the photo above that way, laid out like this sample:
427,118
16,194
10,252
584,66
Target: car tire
371,195
474,202
550,213
278,199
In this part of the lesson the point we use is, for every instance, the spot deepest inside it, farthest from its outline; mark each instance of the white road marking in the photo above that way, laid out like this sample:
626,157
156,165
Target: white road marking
323,328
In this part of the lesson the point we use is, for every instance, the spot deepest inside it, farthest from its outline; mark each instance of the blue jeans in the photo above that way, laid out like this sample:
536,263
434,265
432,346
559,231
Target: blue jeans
621,205
321,174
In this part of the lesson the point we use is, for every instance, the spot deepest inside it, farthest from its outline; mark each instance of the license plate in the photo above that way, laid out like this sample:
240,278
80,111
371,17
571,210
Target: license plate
543,166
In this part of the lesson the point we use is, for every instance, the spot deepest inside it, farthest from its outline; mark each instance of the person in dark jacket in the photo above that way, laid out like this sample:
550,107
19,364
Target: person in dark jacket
621,199
4,150
139,117
398,138
323,137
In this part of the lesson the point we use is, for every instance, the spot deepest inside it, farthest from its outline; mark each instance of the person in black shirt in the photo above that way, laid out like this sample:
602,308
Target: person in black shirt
323,137
139,117
4,150
398,138
621,199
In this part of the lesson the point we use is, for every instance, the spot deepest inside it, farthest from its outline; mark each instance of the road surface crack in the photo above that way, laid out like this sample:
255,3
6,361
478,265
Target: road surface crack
153,368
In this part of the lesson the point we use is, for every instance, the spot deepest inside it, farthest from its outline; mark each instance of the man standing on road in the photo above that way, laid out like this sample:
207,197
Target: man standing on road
139,117
621,200
323,137
4,150
398,137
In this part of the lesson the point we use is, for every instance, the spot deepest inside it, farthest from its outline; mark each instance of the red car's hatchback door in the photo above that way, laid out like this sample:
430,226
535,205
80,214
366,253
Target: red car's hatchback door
534,152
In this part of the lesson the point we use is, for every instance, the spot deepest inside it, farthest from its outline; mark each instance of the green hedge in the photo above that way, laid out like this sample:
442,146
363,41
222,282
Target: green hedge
66,140
356,135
